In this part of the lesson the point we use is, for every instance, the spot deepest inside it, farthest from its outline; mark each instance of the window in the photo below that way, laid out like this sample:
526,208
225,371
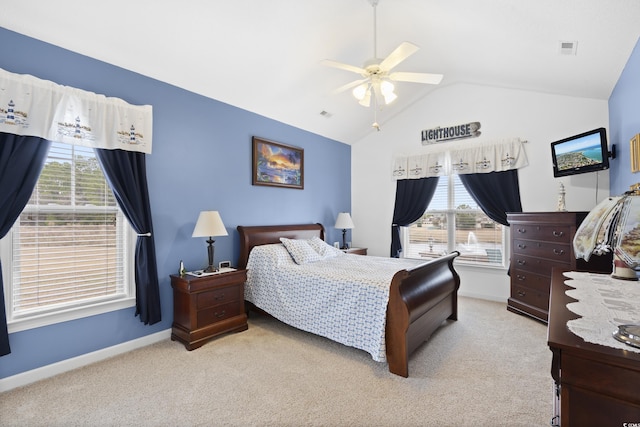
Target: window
454,221
71,247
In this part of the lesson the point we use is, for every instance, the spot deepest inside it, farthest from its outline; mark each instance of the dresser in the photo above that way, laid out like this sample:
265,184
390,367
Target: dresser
541,241
596,385
207,306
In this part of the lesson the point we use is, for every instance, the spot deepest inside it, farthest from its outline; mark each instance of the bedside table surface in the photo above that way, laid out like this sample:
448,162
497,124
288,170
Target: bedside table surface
356,251
191,283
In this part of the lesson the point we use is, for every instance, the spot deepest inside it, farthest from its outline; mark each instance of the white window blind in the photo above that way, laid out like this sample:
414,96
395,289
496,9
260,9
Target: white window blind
454,221
69,245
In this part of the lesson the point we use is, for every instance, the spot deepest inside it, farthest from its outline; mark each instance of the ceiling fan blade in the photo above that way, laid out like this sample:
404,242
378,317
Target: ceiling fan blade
401,53
349,85
401,76
340,65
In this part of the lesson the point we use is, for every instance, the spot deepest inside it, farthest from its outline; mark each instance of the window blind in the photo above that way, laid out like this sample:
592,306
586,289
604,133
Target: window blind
67,244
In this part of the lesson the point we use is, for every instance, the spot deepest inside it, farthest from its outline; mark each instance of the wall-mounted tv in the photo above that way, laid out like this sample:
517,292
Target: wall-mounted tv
586,152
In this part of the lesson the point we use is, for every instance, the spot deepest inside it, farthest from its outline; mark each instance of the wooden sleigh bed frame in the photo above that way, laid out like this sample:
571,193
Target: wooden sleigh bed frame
420,298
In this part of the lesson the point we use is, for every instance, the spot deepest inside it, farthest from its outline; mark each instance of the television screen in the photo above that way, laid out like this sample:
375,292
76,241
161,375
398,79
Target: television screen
586,152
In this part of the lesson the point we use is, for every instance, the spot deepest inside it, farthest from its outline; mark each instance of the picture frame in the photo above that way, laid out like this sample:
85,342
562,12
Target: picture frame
277,165
634,147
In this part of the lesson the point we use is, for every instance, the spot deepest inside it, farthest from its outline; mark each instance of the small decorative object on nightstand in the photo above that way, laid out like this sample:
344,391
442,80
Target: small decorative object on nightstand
207,306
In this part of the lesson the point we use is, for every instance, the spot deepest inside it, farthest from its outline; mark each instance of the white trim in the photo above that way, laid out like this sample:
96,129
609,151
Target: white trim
475,295
72,313
53,369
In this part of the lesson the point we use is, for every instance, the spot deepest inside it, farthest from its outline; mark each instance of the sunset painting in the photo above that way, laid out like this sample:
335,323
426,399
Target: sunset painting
277,164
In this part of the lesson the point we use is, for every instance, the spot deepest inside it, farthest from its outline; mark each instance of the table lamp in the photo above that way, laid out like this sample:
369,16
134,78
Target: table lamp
613,225
209,224
345,223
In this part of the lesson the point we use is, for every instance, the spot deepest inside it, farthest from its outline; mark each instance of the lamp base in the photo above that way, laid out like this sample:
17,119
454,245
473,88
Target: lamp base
622,271
210,269
210,251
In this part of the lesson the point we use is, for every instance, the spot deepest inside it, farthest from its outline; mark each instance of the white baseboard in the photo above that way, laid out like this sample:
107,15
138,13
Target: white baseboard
48,371
482,296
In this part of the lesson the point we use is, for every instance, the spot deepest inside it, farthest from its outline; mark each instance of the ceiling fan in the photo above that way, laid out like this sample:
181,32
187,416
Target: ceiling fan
377,78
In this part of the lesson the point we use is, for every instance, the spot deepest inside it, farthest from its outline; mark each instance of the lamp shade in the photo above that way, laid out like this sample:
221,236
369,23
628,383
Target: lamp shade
613,225
209,224
344,221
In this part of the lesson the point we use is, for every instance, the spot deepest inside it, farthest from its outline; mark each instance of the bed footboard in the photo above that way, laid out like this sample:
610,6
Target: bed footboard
420,299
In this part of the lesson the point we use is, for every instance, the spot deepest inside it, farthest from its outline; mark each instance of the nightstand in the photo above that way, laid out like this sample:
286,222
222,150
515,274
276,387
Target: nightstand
356,251
204,307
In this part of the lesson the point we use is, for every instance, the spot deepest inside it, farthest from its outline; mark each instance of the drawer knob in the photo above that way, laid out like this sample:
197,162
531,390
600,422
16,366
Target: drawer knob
521,278
522,262
522,230
558,251
521,293
521,245
221,314
558,233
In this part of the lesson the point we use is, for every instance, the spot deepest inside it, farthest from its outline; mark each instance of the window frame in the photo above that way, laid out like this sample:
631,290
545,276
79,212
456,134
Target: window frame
450,213
73,310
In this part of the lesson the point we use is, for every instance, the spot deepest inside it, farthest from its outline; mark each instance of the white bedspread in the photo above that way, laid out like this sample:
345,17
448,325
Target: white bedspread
343,298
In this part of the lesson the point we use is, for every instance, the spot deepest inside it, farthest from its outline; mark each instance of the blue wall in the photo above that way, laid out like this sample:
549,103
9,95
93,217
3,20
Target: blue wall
624,122
201,160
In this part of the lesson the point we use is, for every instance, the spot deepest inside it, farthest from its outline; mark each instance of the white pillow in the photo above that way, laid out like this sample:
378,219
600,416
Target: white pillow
300,251
271,254
323,248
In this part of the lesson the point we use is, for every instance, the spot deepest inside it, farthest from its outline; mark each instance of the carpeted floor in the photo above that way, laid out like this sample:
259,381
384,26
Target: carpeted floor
490,368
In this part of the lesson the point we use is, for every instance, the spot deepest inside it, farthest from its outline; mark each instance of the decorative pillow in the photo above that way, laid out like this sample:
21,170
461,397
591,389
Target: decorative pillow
300,251
323,248
271,254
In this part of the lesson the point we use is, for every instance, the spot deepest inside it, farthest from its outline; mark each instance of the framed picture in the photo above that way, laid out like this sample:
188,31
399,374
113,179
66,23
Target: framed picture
634,146
277,165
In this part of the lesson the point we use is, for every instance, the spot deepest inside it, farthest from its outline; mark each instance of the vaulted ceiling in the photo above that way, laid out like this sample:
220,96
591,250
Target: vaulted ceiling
264,55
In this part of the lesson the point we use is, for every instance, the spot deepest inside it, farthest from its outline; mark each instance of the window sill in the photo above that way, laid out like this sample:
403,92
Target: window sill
72,313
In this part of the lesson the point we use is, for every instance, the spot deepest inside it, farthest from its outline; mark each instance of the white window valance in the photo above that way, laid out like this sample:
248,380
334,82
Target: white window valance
36,107
462,158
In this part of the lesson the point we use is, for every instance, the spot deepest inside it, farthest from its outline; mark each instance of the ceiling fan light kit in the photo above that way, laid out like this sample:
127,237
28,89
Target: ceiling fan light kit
377,78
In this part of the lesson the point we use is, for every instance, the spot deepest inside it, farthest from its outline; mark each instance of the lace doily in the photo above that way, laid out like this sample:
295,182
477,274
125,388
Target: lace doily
604,303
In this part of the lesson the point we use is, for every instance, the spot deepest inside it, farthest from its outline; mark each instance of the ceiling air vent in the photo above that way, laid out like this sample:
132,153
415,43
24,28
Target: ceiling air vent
568,48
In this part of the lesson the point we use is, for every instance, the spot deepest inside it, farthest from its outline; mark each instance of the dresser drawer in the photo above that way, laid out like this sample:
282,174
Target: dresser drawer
530,280
218,296
555,251
540,266
219,312
532,297
547,233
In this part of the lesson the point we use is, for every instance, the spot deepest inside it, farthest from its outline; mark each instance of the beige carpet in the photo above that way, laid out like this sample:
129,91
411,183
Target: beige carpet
490,368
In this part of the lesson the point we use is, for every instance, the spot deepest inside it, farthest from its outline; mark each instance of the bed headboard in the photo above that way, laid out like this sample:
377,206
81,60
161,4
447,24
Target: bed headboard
265,234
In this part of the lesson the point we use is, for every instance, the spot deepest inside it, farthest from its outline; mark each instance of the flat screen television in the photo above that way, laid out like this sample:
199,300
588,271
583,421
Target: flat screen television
586,152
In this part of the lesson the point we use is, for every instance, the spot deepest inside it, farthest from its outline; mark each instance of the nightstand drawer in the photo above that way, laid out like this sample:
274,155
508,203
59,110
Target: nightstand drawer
219,312
218,296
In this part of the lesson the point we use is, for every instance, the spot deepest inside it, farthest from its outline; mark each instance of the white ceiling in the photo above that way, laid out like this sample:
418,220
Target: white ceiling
264,55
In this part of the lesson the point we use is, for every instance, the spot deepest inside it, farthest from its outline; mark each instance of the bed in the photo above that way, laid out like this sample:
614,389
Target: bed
413,300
